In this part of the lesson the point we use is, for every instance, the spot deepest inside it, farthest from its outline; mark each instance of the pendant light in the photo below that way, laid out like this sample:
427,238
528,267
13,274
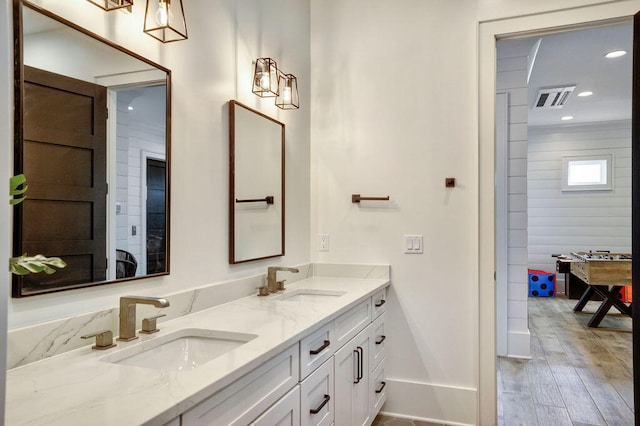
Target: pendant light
165,21
287,92
265,78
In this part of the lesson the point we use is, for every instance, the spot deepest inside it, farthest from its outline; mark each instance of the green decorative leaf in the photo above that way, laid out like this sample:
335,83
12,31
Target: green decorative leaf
23,265
14,192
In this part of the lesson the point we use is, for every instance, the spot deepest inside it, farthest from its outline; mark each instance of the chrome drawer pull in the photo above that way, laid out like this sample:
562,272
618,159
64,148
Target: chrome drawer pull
324,402
382,339
324,346
381,387
380,303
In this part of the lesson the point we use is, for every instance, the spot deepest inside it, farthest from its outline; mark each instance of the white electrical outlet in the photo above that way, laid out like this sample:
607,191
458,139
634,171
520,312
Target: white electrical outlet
413,244
323,242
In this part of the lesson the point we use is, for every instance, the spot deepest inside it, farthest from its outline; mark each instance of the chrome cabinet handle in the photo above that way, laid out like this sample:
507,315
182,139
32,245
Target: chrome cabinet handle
324,346
379,390
321,406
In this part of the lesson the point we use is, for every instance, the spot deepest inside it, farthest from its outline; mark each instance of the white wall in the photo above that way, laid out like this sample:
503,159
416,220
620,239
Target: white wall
395,111
561,221
213,66
511,76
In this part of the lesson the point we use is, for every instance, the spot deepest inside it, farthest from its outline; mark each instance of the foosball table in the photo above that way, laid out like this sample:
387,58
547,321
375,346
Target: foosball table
605,274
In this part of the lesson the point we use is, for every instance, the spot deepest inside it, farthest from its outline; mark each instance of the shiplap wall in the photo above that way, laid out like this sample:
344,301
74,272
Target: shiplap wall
512,78
561,222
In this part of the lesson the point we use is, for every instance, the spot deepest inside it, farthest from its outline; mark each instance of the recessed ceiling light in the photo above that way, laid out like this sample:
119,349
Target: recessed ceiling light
130,108
585,93
567,117
615,54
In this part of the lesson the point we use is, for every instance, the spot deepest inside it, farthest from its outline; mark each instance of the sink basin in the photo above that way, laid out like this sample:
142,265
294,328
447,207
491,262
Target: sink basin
180,351
302,295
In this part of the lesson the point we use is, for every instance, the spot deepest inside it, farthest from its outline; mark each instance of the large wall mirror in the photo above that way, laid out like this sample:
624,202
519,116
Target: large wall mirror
256,204
92,138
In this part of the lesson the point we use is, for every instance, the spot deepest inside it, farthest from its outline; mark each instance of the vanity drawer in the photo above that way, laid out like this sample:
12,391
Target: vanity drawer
378,342
347,325
316,348
252,394
379,302
377,389
318,396
284,412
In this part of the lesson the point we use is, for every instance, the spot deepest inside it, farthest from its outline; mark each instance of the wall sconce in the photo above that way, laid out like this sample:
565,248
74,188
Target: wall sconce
165,21
287,92
111,4
265,78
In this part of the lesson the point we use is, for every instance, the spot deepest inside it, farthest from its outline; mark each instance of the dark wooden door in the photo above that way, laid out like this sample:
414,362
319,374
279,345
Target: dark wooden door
63,157
156,216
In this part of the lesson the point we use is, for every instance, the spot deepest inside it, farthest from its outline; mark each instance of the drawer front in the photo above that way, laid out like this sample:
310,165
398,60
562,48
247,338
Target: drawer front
252,394
315,349
318,398
379,302
347,325
377,389
285,412
378,342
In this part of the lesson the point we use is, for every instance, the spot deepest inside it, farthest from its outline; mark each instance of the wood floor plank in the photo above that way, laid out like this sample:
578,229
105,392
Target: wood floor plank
519,410
543,387
552,416
577,399
610,404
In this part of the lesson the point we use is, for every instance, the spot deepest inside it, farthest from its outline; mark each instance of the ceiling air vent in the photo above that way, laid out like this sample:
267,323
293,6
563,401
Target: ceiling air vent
553,98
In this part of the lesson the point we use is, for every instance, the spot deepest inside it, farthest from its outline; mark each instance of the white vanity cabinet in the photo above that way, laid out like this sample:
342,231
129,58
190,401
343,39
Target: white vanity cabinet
332,376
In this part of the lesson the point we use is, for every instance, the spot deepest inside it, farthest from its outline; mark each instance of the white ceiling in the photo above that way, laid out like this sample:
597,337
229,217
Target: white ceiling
577,57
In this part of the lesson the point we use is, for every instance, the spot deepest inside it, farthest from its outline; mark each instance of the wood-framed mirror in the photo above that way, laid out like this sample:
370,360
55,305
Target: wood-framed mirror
92,137
256,185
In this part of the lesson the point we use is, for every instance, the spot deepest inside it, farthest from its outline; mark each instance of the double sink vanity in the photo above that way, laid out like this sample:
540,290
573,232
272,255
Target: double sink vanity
311,354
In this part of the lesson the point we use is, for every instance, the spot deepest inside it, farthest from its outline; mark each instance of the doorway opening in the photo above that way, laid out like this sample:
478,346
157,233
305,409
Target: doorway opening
561,99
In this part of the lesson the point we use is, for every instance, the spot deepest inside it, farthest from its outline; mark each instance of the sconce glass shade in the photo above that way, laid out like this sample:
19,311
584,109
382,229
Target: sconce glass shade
111,4
287,92
165,21
265,78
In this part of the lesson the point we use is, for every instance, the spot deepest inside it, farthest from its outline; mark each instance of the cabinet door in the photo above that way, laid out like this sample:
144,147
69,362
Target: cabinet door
351,380
377,389
285,412
318,397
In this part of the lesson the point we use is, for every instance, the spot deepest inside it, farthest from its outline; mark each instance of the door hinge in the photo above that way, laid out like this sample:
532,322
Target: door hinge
107,112
106,263
107,185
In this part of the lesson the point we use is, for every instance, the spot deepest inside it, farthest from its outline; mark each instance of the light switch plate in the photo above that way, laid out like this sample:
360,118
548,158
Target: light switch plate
413,244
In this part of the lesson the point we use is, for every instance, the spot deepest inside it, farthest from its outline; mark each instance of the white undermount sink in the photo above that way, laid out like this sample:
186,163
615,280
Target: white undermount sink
182,350
305,295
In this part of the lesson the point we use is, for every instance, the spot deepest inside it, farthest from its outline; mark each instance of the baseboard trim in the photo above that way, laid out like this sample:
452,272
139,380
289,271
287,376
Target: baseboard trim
456,406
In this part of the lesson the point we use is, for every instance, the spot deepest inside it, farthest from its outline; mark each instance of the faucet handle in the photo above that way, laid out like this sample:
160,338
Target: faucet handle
280,285
263,291
149,324
104,339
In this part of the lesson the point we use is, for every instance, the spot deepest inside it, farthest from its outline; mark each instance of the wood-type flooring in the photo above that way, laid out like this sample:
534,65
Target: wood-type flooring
576,376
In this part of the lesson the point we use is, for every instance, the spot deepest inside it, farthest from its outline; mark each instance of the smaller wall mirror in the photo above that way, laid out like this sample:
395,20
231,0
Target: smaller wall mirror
256,177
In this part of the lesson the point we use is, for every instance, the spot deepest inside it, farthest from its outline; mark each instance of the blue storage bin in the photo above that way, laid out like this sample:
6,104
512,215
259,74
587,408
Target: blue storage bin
542,283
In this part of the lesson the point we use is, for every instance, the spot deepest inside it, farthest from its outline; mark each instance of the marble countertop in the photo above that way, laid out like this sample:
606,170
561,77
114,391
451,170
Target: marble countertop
77,387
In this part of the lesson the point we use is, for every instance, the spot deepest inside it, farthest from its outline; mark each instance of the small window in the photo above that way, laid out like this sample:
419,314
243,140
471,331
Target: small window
587,173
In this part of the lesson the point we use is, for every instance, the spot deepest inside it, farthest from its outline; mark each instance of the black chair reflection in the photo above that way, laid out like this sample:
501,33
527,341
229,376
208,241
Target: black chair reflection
126,264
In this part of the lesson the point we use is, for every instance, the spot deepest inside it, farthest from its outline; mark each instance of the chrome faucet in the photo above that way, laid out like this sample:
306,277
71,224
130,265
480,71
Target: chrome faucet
272,283
128,313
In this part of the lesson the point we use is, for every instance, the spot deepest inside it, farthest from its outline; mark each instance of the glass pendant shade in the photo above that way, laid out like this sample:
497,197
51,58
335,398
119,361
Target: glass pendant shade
287,92
111,4
165,21
265,78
